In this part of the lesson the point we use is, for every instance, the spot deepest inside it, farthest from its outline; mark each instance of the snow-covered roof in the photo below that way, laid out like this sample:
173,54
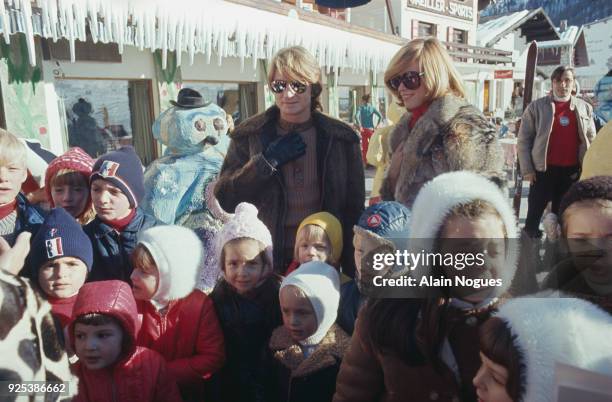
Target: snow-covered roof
568,38
570,34
493,29
209,27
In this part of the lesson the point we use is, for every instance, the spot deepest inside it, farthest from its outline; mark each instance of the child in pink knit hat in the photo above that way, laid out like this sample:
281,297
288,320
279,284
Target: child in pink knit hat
246,301
67,184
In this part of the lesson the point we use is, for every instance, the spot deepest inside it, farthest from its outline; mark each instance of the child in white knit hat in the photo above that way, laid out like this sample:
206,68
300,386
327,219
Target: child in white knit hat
308,349
246,301
178,321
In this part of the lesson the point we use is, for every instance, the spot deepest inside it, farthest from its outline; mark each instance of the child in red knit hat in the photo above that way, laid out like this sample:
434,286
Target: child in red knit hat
67,184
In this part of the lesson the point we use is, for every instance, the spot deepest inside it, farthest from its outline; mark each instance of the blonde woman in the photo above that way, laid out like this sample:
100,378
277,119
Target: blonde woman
292,160
441,131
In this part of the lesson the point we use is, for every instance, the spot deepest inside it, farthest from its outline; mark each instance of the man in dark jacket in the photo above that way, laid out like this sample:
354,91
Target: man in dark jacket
292,161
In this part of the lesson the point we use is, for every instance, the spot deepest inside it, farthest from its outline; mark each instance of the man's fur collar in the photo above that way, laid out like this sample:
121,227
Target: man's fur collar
328,352
332,127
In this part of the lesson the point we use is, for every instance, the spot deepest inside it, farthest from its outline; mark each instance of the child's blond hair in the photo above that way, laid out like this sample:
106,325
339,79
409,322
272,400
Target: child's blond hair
71,177
312,233
11,149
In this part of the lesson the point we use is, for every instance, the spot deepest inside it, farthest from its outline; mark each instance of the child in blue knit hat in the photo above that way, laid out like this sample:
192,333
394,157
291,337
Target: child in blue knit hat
59,260
382,227
117,187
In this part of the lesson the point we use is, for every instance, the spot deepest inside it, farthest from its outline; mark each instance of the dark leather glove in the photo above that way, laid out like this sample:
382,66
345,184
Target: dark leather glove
285,149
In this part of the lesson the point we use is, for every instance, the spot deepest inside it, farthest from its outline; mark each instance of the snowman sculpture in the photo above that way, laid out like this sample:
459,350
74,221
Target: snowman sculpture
179,186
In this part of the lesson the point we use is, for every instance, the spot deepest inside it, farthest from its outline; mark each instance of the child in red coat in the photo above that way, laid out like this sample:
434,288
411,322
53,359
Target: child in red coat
111,367
178,321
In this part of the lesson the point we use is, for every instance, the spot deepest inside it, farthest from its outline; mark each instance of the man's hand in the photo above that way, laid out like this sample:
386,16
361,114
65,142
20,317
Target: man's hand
287,148
530,177
13,259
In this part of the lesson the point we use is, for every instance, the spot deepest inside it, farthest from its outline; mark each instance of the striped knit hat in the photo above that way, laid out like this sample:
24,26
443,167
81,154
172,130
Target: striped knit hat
123,169
74,159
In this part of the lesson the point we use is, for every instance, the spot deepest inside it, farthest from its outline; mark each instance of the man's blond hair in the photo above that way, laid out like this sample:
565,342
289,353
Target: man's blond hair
440,78
298,64
11,149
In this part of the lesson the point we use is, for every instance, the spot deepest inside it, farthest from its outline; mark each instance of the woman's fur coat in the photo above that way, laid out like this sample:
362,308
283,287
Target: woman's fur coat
451,135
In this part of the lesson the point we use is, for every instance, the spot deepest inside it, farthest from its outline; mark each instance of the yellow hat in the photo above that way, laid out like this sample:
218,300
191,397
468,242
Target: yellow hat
331,226
597,160
395,112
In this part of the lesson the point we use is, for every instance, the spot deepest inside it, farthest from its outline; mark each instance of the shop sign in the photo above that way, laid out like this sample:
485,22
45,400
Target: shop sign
446,7
503,74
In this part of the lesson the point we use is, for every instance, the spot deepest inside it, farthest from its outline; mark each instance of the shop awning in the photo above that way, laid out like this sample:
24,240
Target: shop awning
210,27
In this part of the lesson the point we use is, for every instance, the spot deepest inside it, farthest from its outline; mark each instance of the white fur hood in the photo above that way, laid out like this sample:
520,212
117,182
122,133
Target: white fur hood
440,195
552,328
179,255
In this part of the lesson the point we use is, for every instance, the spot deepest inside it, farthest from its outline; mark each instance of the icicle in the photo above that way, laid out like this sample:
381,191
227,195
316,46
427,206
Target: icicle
6,23
163,36
26,9
160,24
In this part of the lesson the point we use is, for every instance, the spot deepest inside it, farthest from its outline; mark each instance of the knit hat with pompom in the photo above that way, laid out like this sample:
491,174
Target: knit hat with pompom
245,224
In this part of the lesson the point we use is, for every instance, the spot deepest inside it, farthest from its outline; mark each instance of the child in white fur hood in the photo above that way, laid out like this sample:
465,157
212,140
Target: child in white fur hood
523,342
178,321
308,349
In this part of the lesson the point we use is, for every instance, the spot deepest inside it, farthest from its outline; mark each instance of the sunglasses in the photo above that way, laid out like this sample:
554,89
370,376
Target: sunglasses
278,86
410,79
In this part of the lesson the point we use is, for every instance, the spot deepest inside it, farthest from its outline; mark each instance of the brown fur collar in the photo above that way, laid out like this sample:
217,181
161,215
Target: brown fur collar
331,349
440,112
469,143
333,127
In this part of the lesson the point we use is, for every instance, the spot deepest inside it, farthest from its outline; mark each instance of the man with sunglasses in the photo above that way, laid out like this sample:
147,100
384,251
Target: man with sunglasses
292,160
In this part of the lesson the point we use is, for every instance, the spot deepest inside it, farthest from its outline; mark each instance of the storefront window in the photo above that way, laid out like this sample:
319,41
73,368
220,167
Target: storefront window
459,36
426,29
98,117
226,95
346,104
379,101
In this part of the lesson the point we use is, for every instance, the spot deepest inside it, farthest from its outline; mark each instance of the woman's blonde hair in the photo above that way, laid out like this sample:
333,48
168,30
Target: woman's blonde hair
11,149
296,63
440,75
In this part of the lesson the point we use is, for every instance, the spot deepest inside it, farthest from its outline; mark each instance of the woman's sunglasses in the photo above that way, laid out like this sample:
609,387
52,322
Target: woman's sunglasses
278,86
410,79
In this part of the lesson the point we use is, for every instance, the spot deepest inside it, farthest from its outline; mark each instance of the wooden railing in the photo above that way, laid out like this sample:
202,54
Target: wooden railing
478,55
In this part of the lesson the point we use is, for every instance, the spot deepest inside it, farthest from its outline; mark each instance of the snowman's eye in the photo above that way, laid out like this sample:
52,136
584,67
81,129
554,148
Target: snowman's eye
200,125
219,124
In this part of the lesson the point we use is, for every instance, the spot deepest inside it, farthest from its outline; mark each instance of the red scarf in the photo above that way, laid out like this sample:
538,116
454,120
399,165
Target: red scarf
417,113
120,224
7,209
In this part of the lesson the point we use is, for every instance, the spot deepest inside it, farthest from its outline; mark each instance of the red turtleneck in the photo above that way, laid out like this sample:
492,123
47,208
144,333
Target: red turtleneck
62,308
7,209
417,113
120,224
